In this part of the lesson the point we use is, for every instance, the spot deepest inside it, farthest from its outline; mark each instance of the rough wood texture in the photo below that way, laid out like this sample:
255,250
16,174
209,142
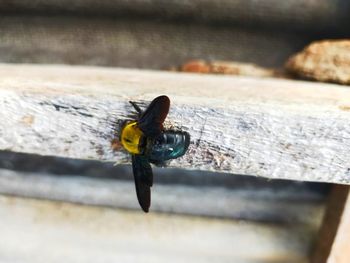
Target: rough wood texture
40,231
263,127
327,61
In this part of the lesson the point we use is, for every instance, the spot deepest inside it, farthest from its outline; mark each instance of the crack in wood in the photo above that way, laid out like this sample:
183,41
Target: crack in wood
70,109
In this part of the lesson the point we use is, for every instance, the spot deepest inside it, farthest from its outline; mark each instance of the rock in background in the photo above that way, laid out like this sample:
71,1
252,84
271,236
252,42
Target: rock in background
327,61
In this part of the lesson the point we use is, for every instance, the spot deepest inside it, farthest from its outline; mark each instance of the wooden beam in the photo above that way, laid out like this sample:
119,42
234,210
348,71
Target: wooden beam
251,203
263,127
95,234
340,249
330,227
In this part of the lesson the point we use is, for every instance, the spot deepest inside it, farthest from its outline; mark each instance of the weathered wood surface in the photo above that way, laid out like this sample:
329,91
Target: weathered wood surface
262,127
42,231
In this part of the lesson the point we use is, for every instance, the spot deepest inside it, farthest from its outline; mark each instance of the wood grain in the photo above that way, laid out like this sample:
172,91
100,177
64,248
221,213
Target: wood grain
263,127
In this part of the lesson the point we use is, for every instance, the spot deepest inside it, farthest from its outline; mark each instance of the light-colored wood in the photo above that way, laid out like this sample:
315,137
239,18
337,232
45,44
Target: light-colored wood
340,250
263,127
42,231
330,226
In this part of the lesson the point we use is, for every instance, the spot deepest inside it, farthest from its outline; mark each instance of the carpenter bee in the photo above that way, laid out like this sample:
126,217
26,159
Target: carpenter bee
148,142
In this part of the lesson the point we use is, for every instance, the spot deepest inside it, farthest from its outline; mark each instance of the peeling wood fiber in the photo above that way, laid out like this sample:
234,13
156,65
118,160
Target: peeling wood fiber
263,127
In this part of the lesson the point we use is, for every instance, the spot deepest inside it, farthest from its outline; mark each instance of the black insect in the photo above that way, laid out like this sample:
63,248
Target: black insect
148,142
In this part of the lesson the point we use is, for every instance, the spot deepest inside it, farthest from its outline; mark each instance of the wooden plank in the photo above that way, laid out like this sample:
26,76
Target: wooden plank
340,249
42,231
255,204
264,127
330,227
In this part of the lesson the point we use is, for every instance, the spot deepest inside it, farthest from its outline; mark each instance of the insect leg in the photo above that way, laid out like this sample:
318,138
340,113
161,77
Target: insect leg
136,107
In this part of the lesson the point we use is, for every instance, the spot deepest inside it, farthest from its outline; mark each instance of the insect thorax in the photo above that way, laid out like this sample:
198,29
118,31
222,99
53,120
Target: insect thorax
131,137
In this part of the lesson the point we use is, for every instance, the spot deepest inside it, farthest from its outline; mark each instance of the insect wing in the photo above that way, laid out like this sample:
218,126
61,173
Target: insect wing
143,176
151,121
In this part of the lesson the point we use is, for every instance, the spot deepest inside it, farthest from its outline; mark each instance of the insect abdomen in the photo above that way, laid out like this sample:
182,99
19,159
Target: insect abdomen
169,145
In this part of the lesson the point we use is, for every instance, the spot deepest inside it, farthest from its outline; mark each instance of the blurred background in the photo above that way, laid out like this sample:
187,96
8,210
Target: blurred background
195,216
